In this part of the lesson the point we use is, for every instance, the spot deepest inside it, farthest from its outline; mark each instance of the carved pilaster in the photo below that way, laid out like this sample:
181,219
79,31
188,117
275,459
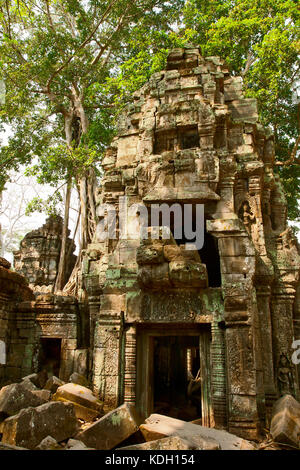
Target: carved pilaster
218,376
296,322
106,363
263,295
226,191
130,366
283,336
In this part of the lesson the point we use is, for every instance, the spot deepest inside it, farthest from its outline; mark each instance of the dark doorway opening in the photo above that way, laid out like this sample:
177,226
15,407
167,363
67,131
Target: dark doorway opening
209,255
50,353
175,368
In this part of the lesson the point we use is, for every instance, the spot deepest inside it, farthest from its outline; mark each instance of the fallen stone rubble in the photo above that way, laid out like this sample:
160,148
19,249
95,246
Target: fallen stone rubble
159,426
111,429
87,407
31,425
285,424
70,417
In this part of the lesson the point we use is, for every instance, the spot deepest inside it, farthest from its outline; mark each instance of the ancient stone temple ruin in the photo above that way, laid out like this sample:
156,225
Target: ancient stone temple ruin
39,253
201,333
229,311
40,330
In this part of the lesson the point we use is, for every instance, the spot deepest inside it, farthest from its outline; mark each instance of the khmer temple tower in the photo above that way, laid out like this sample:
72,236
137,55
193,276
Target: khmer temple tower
191,330
227,313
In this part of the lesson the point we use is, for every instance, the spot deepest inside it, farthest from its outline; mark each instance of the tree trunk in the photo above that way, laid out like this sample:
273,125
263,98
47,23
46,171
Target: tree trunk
88,211
83,207
60,279
70,250
85,184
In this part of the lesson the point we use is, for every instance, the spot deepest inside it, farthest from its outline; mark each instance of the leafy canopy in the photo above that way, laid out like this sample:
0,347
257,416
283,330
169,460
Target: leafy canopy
57,57
259,39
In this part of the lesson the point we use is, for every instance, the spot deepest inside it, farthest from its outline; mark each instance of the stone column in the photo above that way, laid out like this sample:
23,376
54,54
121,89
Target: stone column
218,376
297,328
130,366
283,334
237,269
241,374
106,363
227,194
263,295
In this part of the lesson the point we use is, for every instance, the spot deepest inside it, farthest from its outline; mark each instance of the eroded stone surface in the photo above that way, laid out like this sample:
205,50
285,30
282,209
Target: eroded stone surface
48,443
15,397
31,425
285,424
167,443
53,383
111,429
78,379
75,444
86,405
38,257
159,426
9,447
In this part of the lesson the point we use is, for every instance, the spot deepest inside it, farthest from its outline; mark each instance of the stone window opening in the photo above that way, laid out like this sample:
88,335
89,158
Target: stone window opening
188,137
182,138
164,141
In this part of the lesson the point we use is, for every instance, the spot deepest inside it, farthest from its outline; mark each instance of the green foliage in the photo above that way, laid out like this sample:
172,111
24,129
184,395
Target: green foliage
57,58
149,51
52,50
50,206
259,39
59,163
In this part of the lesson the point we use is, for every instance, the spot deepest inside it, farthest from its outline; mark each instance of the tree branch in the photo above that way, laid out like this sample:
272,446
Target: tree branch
250,61
292,160
103,48
82,45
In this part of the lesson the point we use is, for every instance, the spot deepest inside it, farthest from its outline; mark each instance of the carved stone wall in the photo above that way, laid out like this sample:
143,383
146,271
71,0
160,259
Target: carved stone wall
17,332
58,317
27,320
38,256
191,137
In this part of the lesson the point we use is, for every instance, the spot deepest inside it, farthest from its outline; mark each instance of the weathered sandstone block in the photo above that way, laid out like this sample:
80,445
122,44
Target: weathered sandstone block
111,429
285,424
31,425
48,443
86,405
174,443
159,426
15,397
53,383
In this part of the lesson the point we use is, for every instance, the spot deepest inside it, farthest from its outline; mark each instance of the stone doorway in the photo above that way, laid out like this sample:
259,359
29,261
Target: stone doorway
176,361
175,378
50,355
